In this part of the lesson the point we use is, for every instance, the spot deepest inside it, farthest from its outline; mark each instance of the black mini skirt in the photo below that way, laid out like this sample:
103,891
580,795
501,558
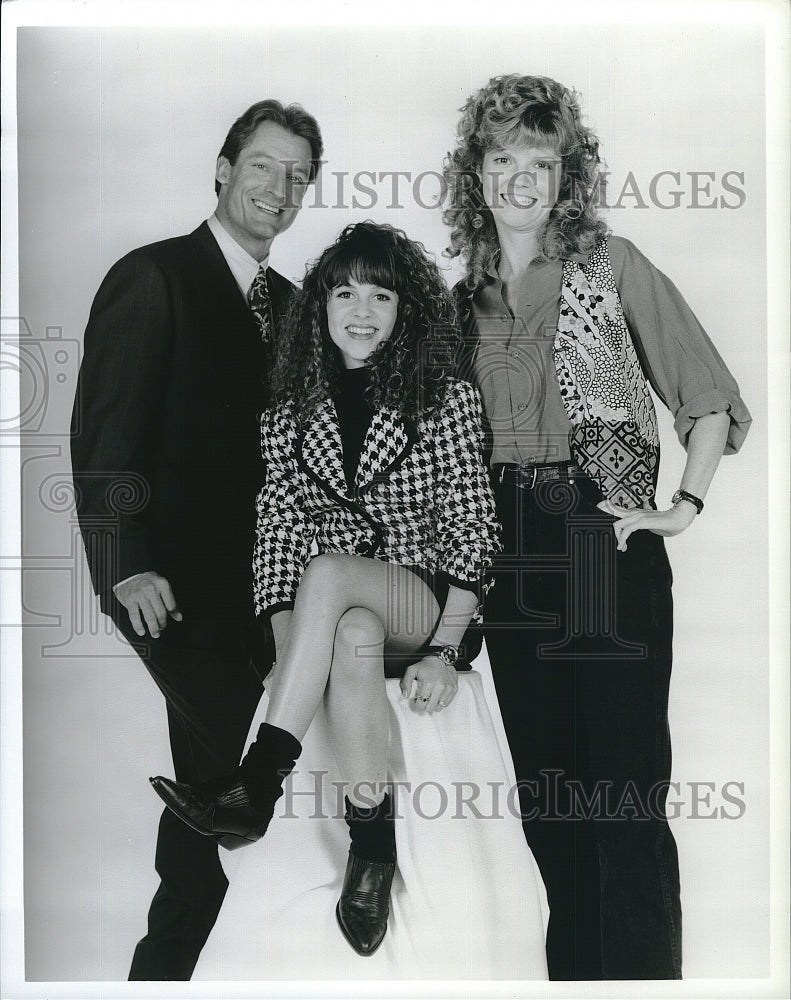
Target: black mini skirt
395,664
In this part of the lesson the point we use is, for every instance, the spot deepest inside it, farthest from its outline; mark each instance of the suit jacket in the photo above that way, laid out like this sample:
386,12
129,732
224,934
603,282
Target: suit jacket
421,497
165,451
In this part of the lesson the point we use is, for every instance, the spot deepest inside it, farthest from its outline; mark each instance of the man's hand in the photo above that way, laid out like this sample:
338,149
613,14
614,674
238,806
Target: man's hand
148,597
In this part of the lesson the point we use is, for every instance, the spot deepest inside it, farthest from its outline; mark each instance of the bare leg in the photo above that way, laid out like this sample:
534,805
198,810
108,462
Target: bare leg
331,585
356,705
385,605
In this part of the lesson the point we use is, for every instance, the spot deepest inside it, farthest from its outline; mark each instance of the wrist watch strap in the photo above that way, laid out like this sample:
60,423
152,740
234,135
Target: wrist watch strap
448,654
684,495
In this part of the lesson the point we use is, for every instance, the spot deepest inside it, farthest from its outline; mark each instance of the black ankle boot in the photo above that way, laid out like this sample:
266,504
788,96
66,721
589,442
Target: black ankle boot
228,817
237,812
364,906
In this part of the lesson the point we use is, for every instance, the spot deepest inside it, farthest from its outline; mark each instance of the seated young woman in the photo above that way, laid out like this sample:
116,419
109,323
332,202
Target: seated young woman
376,528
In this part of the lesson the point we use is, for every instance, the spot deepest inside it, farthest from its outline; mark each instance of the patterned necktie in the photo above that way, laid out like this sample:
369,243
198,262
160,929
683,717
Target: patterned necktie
261,307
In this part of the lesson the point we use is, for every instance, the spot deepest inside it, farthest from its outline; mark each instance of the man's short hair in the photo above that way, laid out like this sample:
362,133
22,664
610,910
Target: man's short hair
293,117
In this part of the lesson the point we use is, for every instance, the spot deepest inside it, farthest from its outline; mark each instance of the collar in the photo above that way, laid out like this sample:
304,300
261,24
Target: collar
388,441
243,267
492,272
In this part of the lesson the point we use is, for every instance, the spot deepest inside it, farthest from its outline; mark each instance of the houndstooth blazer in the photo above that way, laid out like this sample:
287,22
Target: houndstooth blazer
422,496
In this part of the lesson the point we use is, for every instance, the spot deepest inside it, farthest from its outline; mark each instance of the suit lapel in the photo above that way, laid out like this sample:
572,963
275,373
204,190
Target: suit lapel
213,279
321,452
213,275
388,441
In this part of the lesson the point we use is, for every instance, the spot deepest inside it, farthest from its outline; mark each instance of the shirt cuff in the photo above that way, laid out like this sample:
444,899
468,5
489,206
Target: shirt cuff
715,401
126,580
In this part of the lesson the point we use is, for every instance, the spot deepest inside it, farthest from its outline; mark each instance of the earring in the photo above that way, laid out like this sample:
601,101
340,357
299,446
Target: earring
477,220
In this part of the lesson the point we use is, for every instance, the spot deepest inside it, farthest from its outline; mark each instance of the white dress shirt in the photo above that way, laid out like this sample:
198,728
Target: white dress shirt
243,267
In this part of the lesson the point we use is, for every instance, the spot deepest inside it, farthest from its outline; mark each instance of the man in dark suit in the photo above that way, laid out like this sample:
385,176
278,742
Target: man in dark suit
167,466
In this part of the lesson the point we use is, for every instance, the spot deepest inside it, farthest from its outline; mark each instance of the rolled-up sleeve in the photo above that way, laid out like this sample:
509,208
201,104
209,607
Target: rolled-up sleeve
284,530
678,357
468,534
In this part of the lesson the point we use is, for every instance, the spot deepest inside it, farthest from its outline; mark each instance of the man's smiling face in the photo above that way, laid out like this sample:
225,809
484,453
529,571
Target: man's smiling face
261,193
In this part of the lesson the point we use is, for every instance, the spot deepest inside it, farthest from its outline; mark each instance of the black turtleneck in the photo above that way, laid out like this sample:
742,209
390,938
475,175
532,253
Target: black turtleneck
354,417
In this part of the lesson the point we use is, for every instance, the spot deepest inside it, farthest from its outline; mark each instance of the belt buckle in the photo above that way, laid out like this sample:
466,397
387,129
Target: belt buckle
523,471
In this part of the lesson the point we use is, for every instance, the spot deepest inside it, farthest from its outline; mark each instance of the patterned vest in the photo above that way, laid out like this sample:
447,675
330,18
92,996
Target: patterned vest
614,434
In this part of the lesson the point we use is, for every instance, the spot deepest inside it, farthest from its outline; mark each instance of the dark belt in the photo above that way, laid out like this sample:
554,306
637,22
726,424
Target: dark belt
528,476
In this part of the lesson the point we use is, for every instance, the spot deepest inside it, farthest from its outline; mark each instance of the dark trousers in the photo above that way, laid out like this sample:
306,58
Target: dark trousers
203,668
579,637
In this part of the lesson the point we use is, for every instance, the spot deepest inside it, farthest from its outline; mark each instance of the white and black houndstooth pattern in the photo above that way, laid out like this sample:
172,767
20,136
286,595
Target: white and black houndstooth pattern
422,493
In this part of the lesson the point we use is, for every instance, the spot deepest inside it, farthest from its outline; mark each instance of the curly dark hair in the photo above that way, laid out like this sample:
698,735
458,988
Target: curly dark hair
411,369
530,111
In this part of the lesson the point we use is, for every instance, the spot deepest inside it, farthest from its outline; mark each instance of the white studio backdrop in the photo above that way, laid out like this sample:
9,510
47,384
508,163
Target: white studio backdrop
118,132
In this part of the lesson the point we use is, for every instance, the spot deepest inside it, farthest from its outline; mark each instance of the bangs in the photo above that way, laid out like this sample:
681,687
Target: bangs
362,258
537,131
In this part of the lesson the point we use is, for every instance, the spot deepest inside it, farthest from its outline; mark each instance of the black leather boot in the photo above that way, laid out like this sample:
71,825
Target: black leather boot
227,817
364,906
236,811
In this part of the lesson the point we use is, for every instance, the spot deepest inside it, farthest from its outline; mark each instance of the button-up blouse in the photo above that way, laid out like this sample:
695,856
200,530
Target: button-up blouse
515,370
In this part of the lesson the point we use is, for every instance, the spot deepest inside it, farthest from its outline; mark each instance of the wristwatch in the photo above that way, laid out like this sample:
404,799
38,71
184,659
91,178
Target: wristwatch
683,495
448,654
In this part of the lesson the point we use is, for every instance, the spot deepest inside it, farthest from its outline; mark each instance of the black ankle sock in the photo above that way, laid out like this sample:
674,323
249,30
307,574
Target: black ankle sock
372,831
267,764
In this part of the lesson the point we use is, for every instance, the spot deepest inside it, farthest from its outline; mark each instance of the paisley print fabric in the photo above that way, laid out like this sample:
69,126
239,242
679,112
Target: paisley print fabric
614,432
261,305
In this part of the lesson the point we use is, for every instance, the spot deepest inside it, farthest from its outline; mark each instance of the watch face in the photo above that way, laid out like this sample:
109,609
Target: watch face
680,495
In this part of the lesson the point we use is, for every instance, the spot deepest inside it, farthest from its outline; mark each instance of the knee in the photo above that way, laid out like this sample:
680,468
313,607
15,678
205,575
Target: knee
359,638
323,572
359,628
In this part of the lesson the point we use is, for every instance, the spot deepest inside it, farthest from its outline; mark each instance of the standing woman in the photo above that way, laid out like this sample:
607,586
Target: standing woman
376,526
566,326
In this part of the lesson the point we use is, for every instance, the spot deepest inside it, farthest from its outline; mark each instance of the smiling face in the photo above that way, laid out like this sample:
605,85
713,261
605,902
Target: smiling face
360,317
520,185
261,193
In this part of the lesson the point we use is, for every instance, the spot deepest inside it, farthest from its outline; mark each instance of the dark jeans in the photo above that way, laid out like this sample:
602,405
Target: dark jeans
580,642
203,668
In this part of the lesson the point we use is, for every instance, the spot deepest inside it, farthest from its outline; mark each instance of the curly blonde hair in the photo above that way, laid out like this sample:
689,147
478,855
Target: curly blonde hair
530,111
411,370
